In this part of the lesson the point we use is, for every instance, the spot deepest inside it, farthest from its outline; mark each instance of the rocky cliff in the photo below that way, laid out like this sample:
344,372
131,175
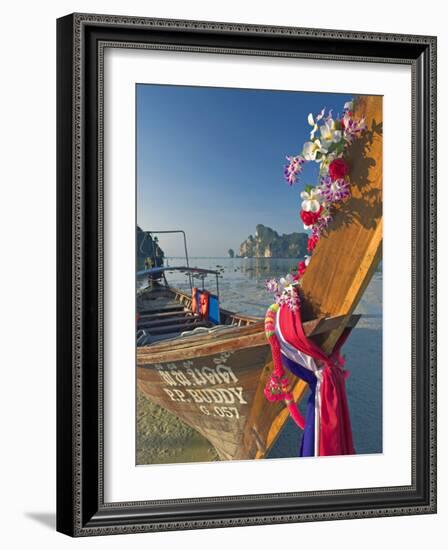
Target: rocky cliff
147,249
267,243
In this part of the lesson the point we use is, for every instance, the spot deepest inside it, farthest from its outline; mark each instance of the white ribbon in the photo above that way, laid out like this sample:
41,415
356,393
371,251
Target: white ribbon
309,363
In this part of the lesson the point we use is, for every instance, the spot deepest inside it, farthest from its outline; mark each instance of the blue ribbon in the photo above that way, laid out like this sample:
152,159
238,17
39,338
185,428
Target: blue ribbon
307,443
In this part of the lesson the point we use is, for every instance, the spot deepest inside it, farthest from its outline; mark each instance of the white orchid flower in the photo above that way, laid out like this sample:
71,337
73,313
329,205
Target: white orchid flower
348,106
285,282
329,134
325,163
323,171
307,260
311,119
311,200
313,122
320,115
311,148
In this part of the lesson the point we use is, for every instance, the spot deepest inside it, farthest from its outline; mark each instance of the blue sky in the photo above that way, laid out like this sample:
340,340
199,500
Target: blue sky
210,161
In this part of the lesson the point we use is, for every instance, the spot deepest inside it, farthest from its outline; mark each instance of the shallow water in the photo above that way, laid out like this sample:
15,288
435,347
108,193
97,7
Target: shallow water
241,289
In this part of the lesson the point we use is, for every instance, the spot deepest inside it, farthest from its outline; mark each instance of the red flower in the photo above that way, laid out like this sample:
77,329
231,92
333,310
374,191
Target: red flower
338,169
301,268
312,241
310,218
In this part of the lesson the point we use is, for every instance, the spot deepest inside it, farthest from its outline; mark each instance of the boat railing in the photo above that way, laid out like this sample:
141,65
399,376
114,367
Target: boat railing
171,231
190,271
157,272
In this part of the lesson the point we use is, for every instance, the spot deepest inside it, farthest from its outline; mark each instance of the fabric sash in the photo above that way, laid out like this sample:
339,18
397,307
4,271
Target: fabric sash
335,434
327,429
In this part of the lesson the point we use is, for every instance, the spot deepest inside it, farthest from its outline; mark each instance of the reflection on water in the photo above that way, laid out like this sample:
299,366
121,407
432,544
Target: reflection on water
241,289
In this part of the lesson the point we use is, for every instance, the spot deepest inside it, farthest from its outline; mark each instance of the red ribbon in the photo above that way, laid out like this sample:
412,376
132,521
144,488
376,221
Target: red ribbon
335,428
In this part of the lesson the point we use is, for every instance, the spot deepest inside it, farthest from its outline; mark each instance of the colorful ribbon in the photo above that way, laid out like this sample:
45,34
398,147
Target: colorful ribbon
327,429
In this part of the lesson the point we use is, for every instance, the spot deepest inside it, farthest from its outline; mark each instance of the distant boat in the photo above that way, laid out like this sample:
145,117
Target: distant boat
210,370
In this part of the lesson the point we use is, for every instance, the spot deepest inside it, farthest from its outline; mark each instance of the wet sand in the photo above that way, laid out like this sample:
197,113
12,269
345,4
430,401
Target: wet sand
163,439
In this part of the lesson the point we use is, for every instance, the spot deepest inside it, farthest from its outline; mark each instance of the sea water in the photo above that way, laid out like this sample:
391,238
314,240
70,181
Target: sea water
241,290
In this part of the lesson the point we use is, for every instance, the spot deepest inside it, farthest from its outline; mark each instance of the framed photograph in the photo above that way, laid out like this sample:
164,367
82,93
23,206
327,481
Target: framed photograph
246,274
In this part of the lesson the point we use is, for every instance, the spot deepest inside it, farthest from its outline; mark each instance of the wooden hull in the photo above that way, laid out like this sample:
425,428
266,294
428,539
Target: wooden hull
214,383
214,394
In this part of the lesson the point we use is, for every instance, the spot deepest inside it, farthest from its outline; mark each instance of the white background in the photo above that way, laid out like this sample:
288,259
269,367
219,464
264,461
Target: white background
27,403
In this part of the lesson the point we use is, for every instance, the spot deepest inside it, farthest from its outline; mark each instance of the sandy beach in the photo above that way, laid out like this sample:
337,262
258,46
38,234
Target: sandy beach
163,439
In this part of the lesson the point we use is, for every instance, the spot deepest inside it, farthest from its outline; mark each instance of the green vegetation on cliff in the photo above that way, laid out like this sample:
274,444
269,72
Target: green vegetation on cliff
267,243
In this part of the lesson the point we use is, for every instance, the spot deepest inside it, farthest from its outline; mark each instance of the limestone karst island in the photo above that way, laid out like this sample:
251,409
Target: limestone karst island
267,243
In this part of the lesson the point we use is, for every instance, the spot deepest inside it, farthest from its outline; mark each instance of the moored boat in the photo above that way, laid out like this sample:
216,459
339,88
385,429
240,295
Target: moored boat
209,373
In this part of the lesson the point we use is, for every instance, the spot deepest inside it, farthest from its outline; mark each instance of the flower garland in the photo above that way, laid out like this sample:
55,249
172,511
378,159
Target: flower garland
329,140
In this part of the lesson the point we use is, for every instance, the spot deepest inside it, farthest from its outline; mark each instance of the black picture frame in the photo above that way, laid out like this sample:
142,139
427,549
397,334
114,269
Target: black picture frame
81,510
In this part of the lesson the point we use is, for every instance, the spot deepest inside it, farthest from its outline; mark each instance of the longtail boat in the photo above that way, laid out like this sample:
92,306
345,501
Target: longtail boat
211,372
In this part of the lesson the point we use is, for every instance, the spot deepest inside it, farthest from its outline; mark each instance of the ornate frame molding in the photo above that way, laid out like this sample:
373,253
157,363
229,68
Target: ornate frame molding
81,42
